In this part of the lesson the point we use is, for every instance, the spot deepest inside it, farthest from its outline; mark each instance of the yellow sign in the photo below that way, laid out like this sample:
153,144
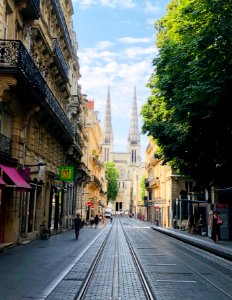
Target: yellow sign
66,173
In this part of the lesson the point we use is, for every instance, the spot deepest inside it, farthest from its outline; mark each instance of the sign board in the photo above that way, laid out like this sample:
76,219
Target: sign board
66,173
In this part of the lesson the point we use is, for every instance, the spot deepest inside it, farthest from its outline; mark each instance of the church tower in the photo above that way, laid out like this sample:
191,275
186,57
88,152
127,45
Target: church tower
107,142
134,137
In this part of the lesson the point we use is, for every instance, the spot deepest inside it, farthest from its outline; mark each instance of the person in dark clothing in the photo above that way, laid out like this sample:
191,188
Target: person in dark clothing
216,232
96,221
191,223
77,224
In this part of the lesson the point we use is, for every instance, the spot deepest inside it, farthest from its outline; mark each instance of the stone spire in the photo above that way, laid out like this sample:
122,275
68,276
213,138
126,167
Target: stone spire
108,133
107,141
134,137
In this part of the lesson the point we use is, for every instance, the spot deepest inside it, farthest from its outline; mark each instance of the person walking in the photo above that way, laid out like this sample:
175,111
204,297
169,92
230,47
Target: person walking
96,221
77,225
191,223
200,224
216,223
91,221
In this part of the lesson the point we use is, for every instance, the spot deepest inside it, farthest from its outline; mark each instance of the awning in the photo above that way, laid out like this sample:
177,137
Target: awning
2,182
14,175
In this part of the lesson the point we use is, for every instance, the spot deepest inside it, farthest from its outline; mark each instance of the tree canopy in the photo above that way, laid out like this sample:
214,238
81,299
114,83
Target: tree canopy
112,175
189,110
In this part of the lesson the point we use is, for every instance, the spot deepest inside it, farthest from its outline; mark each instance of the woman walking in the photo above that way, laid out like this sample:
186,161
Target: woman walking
216,223
96,221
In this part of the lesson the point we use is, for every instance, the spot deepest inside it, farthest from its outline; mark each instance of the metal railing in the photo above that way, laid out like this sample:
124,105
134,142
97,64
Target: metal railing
5,144
60,57
15,57
64,25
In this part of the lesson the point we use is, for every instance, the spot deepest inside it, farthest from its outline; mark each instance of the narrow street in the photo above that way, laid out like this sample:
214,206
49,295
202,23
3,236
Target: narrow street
47,268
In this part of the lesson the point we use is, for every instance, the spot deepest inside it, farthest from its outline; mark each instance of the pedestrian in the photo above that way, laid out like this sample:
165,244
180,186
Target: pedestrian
91,221
96,221
191,223
200,224
216,223
77,225
103,220
111,218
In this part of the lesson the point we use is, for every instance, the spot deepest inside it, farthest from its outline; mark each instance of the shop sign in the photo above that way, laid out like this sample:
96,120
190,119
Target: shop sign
66,173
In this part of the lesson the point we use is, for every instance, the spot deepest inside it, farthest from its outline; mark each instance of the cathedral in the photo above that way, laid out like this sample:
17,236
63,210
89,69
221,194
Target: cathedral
131,169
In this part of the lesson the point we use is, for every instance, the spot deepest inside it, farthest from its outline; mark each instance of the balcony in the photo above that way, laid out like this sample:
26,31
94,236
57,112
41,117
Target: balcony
5,144
64,25
82,174
60,59
154,160
30,9
14,58
95,181
154,182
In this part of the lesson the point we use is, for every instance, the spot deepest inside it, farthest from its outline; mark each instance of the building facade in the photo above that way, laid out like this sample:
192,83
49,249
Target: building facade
170,197
40,108
129,164
95,192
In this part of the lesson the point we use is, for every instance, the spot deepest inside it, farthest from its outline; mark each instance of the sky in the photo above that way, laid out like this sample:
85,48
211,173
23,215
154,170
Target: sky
116,46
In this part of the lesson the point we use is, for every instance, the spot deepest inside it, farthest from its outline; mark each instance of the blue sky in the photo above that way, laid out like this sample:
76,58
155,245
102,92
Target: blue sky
116,40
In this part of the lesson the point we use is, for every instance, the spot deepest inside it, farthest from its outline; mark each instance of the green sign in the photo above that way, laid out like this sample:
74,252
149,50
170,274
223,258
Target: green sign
66,173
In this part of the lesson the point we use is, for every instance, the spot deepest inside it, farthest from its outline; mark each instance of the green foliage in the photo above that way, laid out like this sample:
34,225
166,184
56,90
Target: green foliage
112,175
142,185
188,111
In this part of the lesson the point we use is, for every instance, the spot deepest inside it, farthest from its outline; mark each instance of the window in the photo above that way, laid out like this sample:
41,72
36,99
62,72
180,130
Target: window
7,21
5,123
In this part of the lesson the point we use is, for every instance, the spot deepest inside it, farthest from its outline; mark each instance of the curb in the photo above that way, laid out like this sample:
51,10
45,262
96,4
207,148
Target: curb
202,245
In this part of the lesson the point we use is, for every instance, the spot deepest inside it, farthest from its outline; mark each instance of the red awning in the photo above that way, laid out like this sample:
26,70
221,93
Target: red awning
90,204
14,175
2,182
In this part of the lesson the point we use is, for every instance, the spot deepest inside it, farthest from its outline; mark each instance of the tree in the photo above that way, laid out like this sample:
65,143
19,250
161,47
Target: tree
188,112
143,190
112,175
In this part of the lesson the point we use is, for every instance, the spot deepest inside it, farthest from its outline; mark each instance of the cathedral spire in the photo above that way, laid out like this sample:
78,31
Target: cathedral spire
107,142
134,137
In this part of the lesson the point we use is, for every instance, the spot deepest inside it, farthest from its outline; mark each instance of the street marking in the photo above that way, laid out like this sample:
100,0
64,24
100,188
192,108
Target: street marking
176,281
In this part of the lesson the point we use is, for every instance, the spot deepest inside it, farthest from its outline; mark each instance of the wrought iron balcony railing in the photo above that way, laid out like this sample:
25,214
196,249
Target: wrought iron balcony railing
31,10
64,25
60,57
95,180
15,58
5,144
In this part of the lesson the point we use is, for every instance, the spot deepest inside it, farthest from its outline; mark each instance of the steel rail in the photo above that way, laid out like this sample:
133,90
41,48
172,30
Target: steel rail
144,281
190,268
86,282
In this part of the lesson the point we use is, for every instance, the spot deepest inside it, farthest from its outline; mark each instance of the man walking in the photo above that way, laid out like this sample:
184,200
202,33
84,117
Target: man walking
77,224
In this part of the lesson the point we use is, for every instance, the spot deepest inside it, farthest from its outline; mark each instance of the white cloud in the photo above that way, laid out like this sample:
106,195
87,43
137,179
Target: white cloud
104,45
138,52
130,40
106,3
149,7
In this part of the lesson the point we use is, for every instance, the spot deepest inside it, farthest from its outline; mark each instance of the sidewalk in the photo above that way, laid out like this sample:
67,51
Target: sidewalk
222,248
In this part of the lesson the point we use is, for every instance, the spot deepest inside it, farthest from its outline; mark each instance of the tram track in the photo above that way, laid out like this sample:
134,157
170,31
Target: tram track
190,257
126,262
115,293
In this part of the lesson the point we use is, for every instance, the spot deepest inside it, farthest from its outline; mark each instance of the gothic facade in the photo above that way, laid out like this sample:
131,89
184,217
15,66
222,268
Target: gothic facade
129,164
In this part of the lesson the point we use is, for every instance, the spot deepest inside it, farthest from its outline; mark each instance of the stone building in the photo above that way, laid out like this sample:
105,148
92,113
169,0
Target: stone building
129,164
41,106
170,196
95,192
